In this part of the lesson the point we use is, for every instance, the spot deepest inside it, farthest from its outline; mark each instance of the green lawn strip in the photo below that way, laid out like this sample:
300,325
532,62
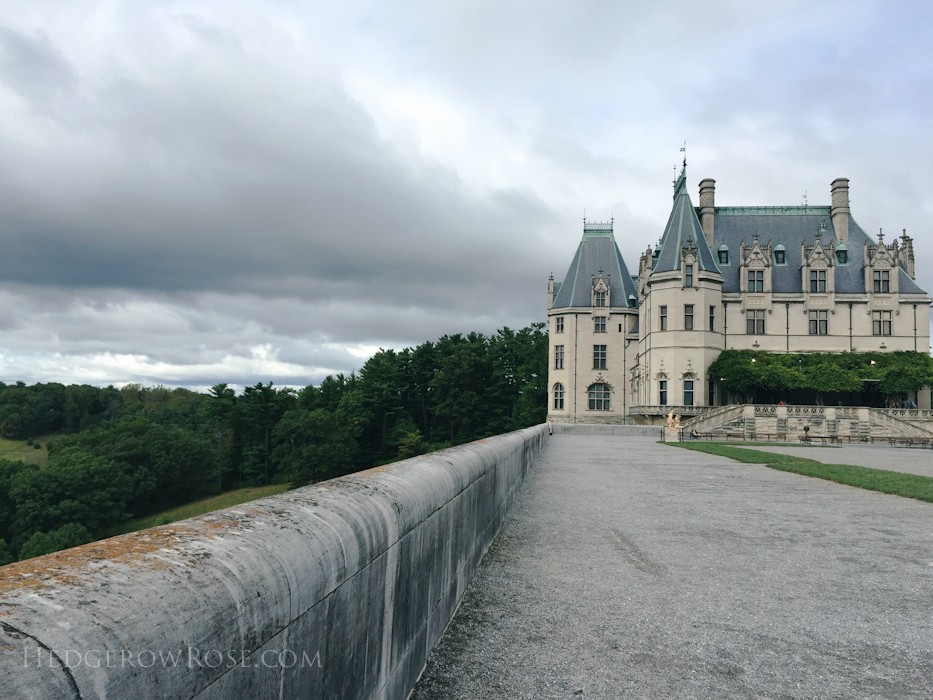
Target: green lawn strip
205,505
896,483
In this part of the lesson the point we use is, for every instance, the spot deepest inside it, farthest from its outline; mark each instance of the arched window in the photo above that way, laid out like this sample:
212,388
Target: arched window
558,397
688,389
599,397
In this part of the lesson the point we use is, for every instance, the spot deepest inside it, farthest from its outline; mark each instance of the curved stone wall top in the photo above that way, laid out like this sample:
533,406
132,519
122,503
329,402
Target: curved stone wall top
338,589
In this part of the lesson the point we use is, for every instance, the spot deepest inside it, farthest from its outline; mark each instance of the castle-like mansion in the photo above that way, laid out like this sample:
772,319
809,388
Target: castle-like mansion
778,279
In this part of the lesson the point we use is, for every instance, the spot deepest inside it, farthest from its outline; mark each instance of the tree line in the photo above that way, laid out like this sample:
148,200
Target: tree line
115,453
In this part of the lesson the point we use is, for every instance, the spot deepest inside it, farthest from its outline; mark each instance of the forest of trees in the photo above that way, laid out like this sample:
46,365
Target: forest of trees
129,452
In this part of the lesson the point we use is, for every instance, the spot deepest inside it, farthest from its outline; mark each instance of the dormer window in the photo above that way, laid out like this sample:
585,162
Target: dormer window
881,280
756,280
842,255
780,256
818,281
599,298
723,255
688,275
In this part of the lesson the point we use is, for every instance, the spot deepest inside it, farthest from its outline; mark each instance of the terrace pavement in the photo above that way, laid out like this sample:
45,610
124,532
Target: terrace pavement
632,569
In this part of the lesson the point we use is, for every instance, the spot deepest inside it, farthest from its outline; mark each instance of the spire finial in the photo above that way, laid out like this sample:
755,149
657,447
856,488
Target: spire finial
683,149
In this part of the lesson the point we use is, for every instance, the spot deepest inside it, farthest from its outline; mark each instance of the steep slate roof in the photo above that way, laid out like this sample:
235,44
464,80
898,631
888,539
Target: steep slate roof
791,227
682,225
596,253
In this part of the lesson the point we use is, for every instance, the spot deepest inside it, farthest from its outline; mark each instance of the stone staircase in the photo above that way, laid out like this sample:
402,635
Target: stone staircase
789,423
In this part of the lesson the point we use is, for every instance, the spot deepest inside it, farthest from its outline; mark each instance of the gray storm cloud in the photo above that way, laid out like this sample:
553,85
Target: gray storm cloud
192,194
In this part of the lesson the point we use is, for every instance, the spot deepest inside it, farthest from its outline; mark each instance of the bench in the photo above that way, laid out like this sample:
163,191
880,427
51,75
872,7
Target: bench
809,438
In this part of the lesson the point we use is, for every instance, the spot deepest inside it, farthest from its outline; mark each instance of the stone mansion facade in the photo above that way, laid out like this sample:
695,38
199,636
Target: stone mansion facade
777,279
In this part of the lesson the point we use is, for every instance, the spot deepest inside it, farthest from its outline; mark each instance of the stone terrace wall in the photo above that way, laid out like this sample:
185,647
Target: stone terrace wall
337,590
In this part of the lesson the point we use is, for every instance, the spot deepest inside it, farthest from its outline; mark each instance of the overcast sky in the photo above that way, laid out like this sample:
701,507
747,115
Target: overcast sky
197,192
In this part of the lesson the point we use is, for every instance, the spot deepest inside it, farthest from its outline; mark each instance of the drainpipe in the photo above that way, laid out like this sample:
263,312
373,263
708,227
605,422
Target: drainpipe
787,326
850,326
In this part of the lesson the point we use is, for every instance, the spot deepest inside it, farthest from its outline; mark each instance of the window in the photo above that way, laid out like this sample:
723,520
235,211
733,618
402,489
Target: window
688,392
711,400
780,257
881,323
599,397
882,281
755,322
558,357
599,357
817,281
599,324
599,298
756,280
663,312
842,256
819,322
688,317
662,392
558,397
723,257
712,318
558,324
688,275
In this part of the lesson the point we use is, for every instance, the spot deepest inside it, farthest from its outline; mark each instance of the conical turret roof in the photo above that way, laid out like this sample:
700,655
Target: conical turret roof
683,228
596,256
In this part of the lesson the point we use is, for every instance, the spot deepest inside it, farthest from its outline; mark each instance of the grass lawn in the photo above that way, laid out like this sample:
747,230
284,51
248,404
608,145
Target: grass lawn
896,483
19,451
205,505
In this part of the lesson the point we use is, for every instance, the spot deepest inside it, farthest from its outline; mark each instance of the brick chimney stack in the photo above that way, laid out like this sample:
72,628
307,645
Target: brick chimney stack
707,207
840,210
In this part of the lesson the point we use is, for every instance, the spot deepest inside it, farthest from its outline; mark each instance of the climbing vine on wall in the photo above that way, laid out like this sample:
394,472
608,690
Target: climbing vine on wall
744,371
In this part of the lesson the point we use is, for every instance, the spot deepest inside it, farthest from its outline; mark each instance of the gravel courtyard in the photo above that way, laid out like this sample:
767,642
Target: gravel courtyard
632,569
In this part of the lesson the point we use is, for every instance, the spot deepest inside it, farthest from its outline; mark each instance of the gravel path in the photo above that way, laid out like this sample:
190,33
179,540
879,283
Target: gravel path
630,569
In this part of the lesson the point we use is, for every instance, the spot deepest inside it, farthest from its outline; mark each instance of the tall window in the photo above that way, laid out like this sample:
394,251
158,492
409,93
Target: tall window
817,281
663,311
599,298
558,397
881,323
755,322
712,318
662,392
558,324
711,399
558,357
599,357
756,280
599,324
688,392
688,275
688,317
819,322
882,281
598,397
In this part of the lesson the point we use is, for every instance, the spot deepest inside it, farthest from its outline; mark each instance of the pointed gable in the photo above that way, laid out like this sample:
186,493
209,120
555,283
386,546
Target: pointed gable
597,256
683,230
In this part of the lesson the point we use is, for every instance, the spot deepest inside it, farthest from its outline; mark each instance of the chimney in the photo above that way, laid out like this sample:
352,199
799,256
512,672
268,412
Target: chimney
840,210
707,207
550,291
